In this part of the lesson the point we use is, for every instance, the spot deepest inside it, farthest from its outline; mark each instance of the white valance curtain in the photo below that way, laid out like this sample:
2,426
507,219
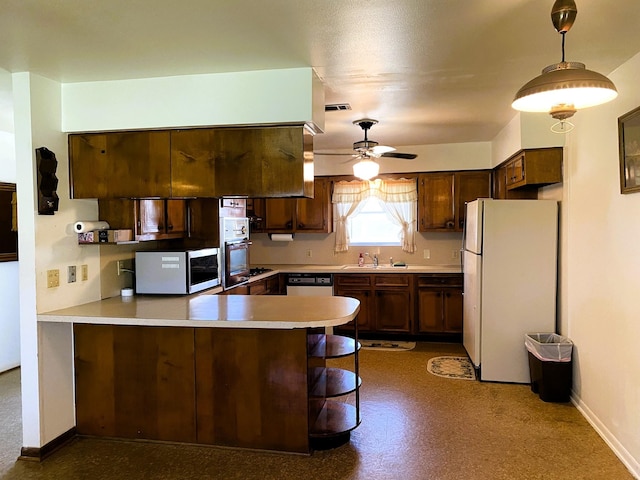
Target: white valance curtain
399,198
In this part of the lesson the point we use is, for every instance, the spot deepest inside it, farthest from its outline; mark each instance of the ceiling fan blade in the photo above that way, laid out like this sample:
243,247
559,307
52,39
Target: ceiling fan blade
381,150
404,156
334,153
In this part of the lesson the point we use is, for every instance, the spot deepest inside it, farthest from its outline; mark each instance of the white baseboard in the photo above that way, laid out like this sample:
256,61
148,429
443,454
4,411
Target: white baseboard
632,464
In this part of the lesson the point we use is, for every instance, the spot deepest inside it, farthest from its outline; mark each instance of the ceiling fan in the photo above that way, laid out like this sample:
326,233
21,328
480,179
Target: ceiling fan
371,148
367,150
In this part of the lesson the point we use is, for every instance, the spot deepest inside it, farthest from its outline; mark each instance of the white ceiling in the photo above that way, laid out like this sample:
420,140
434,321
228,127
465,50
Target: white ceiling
431,71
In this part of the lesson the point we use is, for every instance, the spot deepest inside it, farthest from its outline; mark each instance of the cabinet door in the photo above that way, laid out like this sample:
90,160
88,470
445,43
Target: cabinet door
364,316
279,215
393,310
430,310
204,222
313,215
452,305
176,217
150,217
193,163
269,162
515,170
120,165
500,183
436,202
160,219
256,211
359,287
468,187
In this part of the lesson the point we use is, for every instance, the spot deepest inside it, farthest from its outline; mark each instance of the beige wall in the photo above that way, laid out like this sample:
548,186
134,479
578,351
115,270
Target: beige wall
601,260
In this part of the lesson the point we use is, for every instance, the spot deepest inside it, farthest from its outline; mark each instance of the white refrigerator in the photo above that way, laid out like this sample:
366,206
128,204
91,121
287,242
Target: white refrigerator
509,262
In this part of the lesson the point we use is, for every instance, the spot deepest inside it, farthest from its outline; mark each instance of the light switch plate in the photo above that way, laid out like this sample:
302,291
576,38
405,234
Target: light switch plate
53,278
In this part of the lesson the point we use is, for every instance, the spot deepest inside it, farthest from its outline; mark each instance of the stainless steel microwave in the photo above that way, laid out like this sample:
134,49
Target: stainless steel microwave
177,272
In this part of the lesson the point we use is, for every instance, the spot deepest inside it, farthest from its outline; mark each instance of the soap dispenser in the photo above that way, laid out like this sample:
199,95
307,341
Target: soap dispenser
361,260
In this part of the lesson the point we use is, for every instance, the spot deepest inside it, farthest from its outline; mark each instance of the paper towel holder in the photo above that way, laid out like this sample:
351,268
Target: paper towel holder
293,235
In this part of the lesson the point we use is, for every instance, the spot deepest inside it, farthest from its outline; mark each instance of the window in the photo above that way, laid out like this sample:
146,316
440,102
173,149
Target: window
380,212
373,226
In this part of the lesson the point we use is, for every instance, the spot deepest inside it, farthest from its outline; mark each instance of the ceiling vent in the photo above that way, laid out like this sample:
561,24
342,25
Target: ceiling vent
335,107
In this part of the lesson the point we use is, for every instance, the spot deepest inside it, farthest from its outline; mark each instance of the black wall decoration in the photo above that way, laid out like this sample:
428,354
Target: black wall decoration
47,181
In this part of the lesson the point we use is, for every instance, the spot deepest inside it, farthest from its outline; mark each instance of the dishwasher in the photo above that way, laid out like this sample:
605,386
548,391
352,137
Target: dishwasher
311,285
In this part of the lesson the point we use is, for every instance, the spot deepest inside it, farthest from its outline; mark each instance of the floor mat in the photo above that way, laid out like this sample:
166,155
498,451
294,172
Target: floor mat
387,345
451,367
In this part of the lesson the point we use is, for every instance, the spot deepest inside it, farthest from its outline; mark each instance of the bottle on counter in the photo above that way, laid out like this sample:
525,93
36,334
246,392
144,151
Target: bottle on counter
361,260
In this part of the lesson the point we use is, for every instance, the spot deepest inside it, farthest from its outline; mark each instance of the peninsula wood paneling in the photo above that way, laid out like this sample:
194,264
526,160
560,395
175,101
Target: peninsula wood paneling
252,388
135,382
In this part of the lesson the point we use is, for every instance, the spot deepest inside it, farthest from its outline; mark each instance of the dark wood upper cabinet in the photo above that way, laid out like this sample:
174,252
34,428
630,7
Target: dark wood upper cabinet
290,215
193,163
120,165
442,197
149,219
522,174
190,163
264,162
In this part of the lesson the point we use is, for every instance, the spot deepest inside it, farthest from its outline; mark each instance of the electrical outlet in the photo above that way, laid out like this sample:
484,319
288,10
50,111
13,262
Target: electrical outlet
120,264
85,272
426,253
53,278
455,254
309,253
71,274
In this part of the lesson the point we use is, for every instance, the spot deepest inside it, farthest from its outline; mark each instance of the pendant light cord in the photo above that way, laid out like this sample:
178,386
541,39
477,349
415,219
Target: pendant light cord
563,33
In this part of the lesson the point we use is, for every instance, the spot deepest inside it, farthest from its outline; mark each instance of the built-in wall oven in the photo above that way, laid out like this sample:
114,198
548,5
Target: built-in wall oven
235,242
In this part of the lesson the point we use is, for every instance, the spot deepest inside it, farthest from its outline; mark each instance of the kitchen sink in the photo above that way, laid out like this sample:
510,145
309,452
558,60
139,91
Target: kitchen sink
386,268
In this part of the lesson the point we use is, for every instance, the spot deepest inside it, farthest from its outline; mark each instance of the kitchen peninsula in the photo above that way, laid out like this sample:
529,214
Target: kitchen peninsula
235,371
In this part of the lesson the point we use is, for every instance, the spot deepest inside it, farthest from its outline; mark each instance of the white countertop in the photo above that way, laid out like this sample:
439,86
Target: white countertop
368,268
218,311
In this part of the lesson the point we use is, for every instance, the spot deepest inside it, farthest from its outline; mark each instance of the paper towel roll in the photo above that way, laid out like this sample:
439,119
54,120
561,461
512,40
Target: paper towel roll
282,237
87,226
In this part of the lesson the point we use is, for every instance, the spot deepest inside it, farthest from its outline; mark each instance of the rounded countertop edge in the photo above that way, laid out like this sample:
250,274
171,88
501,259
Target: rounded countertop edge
212,311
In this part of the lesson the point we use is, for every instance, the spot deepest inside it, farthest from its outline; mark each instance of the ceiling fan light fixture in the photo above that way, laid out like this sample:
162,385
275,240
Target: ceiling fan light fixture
366,169
565,87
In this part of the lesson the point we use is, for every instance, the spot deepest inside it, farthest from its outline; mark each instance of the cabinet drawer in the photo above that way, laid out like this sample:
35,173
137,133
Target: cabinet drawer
393,280
454,279
353,280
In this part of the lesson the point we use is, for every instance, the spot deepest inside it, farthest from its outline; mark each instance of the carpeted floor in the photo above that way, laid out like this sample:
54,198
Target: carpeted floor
416,426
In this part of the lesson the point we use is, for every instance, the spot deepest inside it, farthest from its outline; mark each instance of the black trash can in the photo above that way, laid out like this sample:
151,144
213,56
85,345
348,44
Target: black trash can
550,365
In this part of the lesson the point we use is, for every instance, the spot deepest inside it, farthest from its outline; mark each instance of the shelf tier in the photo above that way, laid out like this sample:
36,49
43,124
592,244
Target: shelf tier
331,346
335,418
332,382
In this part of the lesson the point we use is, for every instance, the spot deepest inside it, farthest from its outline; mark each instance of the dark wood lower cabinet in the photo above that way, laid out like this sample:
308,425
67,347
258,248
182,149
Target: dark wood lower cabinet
243,388
440,304
386,301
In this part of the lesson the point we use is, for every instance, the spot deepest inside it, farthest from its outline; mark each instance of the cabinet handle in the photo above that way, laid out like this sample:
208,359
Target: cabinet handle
301,225
289,224
169,227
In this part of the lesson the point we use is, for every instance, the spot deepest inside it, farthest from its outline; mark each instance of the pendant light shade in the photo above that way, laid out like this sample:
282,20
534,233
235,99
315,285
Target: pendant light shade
366,169
564,87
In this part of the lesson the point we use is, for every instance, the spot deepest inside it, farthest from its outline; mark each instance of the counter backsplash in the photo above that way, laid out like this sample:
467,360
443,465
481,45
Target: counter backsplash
318,249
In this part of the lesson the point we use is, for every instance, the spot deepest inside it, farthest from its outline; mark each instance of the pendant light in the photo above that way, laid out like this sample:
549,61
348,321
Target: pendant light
565,87
366,168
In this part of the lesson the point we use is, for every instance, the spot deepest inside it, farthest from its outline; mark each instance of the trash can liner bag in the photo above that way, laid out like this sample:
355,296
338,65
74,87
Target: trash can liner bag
549,347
